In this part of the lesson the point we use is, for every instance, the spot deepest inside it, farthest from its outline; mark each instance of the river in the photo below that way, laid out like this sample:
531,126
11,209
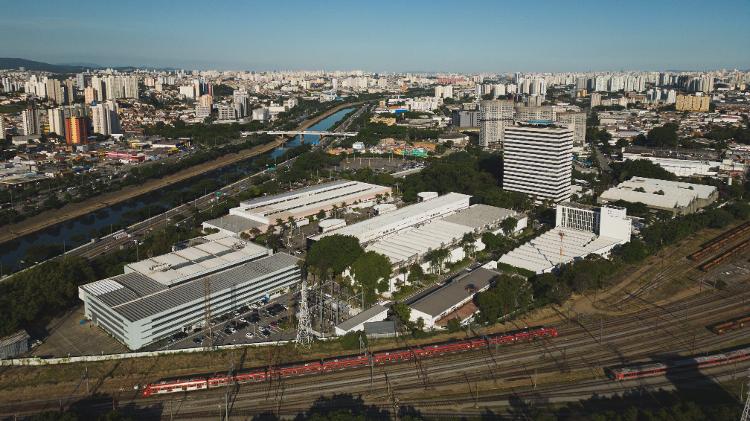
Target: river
75,232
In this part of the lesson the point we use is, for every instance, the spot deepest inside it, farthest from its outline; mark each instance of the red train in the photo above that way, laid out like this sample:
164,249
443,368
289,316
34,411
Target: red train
659,369
734,324
344,363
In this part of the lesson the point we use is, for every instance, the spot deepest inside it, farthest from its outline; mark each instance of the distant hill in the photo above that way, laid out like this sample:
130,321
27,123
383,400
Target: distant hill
15,63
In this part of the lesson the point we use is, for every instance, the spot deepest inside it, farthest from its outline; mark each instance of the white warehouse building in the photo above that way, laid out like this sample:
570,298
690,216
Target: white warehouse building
579,231
263,211
160,296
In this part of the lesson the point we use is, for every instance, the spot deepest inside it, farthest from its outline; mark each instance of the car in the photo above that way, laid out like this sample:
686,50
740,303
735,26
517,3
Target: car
198,340
249,335
242,320
265,332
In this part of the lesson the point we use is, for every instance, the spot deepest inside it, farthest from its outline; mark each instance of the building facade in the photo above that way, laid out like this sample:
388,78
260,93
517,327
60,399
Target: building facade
538,161
139,308
76,130
494,116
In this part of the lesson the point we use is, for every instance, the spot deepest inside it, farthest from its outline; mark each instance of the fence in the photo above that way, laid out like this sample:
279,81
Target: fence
36,361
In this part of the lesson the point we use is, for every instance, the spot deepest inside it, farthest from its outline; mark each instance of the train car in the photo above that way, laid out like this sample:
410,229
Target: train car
255,376
393,356
442,349
175,386
738,355
637,371
346,362
658,369
296,370
734,324
343,363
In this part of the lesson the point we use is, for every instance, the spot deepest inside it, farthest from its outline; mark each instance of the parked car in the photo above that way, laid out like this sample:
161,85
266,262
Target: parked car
249,335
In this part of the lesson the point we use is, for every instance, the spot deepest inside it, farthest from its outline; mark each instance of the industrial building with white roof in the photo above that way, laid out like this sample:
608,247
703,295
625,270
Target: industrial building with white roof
407,234
162,295
672,196
579,231
262,212
408,216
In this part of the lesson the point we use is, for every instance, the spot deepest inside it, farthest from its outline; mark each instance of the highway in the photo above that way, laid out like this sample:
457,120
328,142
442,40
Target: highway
584,348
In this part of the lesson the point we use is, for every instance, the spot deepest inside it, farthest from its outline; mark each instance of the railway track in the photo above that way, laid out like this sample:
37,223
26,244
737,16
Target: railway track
651,331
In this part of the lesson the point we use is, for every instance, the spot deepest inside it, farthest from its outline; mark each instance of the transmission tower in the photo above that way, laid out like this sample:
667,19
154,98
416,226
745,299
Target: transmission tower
746,411
304,329
207,311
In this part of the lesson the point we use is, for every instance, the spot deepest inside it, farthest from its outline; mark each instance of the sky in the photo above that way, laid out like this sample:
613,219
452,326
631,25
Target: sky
382,36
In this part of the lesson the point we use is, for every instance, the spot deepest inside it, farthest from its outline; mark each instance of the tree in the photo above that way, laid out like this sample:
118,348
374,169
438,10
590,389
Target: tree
454,325
633,251
506,295
371,272
416,274
664,136
508,225
403,313
468,243
437,258
333,253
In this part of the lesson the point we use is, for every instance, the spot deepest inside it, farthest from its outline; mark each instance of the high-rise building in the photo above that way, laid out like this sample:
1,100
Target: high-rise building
444,91
30,122
494,115
534,113
76,130
465,118
104,118
80,81
538,161
130,87
692,103
55,91
98,84
70,91
575,121
225,112
241,100
206,100
56,120
89,94
596,99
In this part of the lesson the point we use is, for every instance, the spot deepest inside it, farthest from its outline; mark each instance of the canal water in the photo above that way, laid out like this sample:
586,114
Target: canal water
77,231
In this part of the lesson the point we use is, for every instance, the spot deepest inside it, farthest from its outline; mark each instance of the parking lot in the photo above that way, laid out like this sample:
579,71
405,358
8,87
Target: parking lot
249,324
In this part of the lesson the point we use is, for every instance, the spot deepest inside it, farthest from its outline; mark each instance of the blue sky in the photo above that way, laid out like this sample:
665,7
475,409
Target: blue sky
437,35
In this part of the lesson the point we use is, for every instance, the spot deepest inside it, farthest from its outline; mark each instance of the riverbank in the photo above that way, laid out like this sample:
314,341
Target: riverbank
74,210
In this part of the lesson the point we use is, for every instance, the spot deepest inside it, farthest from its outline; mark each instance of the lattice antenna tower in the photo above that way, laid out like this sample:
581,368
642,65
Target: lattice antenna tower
746,411
304,327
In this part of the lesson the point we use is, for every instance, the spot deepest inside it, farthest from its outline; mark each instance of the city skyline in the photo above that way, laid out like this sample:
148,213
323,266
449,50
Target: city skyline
418,37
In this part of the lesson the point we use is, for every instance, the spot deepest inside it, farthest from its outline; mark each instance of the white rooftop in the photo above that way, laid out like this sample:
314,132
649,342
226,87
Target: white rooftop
302,201
413,241
404,217
550,249
676,193
217,253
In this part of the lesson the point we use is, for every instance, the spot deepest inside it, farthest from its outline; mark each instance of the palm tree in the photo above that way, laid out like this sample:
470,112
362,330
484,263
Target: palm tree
468,244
